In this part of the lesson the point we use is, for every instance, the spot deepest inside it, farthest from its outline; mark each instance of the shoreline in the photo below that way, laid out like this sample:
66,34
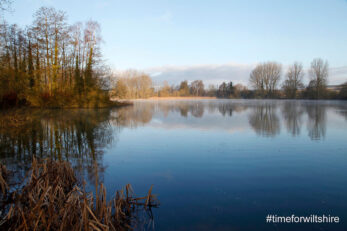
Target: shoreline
113,104
167,98
207,98
182,97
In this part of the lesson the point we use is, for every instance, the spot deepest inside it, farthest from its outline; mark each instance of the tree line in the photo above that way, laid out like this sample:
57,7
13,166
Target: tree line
133,84
264,80
52,63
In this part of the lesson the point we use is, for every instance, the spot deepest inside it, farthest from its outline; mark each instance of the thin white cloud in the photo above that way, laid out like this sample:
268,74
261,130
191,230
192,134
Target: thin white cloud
102,4
216,74
165,17
338,75
210,74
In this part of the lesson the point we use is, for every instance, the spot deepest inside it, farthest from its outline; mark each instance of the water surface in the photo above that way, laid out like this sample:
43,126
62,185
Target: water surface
214,164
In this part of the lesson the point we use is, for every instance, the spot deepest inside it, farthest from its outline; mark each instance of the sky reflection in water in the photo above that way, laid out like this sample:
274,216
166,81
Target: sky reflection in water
223,165
215,164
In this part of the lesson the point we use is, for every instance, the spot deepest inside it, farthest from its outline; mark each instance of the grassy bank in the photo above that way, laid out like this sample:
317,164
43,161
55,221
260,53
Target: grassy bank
51,198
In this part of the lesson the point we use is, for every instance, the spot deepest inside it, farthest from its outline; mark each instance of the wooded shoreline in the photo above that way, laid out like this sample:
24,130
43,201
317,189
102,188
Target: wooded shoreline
51,64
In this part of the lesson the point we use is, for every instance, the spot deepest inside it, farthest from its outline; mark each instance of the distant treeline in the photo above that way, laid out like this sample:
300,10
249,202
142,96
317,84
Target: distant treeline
50,63
264,80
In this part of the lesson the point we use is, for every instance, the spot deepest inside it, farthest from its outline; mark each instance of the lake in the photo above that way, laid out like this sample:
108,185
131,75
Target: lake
214,164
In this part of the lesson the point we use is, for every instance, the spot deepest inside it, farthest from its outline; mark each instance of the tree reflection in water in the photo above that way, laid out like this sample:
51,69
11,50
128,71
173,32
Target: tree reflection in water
316,123
80,136
132,117
342,112
225,109
292,112
264,120
263,116
74,135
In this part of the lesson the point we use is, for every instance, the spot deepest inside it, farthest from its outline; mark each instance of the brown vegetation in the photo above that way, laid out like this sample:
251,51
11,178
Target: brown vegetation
52,64
52,200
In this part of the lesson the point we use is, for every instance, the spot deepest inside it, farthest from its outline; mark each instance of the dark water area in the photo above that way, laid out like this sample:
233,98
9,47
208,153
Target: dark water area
214,164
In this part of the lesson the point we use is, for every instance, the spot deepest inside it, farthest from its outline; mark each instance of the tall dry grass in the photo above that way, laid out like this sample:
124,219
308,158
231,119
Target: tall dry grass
51,199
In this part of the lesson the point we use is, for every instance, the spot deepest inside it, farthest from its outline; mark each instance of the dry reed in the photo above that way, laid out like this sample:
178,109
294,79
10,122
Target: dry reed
51,200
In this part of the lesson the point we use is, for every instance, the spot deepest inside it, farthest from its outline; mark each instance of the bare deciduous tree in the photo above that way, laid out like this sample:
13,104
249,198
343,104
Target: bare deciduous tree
265,77
256,79
197,88
319,77
137,85
49,61
293,80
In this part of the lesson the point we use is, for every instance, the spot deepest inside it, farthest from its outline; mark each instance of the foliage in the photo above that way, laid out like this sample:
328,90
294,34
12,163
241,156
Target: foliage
343,91
132,84
225,90
51,64
264,79
197,88
184,88
165,90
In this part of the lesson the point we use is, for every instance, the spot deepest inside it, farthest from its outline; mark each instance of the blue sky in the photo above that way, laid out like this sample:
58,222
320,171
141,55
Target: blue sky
158,36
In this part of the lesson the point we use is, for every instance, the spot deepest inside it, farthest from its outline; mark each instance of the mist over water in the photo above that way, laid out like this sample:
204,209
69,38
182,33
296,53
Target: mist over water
215,164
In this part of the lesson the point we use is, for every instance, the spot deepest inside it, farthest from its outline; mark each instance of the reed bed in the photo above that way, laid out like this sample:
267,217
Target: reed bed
52,199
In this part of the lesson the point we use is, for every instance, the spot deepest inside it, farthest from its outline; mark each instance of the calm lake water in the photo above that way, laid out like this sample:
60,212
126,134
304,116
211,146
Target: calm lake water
214,164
